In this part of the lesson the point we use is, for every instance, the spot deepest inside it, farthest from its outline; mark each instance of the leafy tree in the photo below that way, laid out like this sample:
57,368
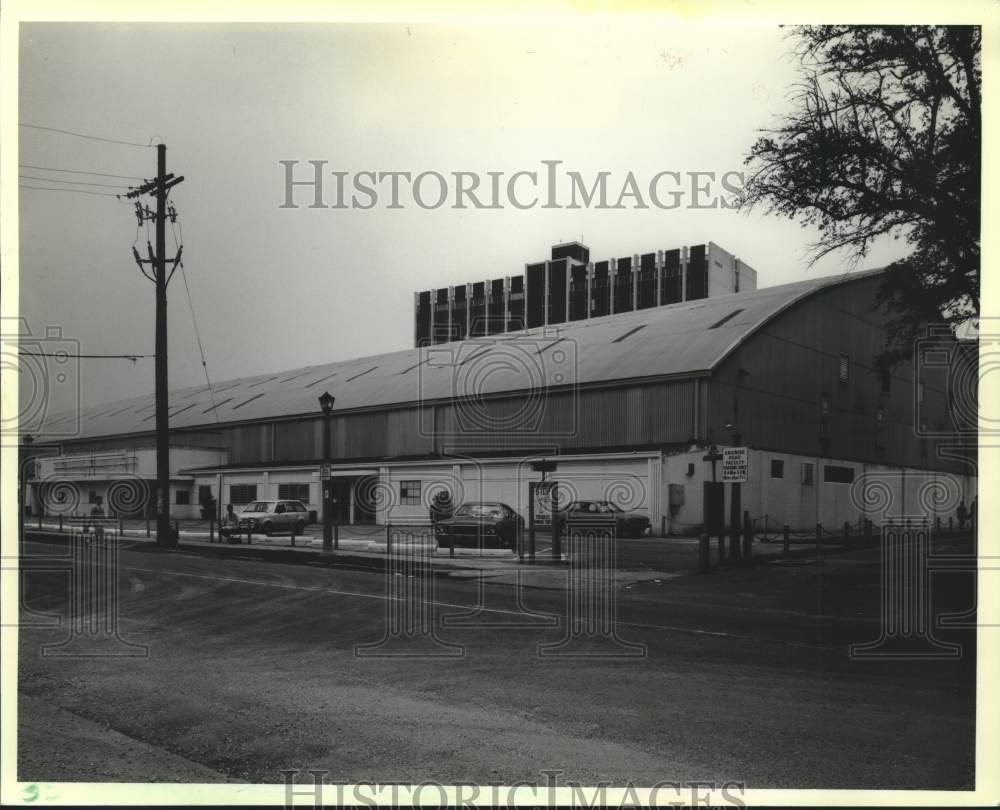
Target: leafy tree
885,140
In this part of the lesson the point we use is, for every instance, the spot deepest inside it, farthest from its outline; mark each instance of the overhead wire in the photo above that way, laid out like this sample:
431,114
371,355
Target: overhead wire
71,182
88,137
78,171
132,357
201,349
72,190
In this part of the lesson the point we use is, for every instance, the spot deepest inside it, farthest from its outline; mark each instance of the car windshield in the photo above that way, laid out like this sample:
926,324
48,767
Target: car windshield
480,510
257,506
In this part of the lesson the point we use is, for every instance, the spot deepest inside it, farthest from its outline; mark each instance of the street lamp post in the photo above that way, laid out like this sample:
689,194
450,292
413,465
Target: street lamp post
25,471
326,403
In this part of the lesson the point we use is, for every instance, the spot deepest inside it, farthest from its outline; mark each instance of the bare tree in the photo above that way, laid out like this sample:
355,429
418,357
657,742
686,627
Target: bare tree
885,139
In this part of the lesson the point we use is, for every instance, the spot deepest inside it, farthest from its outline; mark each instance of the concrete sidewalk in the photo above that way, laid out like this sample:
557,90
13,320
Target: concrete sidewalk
498,566
636,560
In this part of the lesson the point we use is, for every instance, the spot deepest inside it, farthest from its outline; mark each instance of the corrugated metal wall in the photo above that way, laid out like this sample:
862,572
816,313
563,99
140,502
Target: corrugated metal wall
640,415
794,363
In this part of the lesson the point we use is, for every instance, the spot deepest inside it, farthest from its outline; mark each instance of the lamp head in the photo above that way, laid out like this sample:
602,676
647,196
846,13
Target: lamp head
326,401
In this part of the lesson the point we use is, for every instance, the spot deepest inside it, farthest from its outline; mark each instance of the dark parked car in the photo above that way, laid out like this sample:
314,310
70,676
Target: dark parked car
627,524
489,523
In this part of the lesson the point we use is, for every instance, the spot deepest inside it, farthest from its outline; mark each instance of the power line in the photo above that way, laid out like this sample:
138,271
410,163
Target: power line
79,171
69,182
88,137
76,190
194,320
64,355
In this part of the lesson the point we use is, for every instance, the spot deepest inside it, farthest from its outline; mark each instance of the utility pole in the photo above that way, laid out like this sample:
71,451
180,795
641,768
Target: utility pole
158,188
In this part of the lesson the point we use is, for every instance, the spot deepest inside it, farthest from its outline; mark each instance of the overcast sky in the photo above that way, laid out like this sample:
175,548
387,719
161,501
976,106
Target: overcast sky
276,289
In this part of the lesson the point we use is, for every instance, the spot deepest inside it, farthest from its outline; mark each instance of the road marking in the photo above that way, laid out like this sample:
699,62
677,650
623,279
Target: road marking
361,594
481,609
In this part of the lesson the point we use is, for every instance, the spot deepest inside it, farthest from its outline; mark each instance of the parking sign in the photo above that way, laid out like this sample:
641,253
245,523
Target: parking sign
735,461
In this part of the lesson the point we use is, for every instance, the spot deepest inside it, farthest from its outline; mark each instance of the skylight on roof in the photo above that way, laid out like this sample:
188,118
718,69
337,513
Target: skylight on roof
362,374
730,316
629,333
321,379
246,401
218,404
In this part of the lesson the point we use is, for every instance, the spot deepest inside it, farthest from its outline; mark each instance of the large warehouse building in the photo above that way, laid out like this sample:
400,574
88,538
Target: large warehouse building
627,403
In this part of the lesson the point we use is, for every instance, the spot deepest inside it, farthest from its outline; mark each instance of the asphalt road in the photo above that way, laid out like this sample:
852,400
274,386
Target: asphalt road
252,667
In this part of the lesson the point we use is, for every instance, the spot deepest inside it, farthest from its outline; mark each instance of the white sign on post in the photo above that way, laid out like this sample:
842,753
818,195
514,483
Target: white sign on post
735,461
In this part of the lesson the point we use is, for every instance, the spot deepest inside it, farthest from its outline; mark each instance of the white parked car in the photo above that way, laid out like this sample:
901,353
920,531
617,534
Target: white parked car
268,517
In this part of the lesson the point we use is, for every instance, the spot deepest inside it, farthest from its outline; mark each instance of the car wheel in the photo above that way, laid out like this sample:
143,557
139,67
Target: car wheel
265,529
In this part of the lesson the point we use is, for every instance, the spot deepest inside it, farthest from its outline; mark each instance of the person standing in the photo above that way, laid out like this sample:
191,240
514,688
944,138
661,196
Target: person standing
961,513
441,506
97,511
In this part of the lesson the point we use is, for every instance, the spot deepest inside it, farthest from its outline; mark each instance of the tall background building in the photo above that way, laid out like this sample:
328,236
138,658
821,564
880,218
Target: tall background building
570,287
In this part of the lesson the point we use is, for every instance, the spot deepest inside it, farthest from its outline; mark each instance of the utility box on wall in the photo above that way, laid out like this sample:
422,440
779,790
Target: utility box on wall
676,493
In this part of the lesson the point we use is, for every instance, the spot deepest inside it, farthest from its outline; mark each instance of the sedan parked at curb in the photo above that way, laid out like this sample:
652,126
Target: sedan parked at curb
486,523
627,524
268,517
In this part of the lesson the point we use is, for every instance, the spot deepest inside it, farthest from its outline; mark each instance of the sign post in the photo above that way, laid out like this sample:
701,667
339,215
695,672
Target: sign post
735,466
543,502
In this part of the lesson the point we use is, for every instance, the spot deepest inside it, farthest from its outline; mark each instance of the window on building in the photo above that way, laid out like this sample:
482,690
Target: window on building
845,368
242,493
294,492
777,468
183,497
409,493
92,496
834,474
807,473
204,494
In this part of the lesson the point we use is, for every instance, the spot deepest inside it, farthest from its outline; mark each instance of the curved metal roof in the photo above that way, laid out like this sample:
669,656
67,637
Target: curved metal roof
678,339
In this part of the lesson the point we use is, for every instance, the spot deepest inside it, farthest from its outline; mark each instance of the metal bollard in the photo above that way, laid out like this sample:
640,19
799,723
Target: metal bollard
868,532
819,538
747,538
60,522
722,547
147,526
211,531
388,538
293,535
121,526
847,532
937,523
703,554
785,540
